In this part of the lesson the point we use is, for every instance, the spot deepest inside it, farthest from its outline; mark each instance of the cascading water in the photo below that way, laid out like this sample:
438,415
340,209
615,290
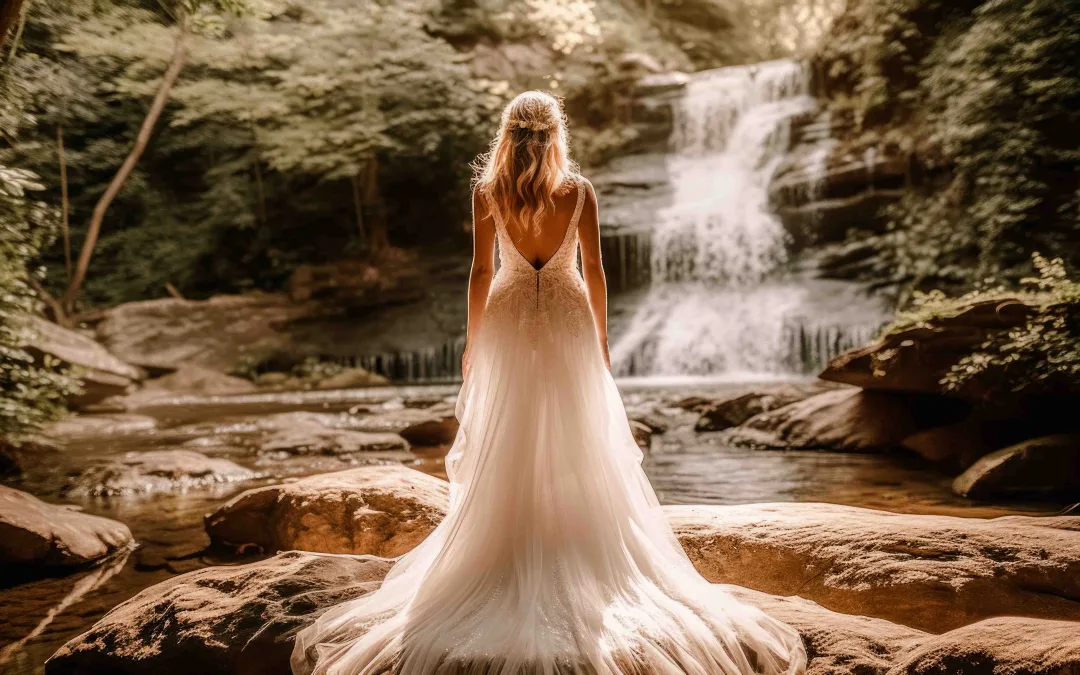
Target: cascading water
717,303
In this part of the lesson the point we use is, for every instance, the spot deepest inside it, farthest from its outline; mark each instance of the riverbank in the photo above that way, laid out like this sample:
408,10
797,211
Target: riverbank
685,465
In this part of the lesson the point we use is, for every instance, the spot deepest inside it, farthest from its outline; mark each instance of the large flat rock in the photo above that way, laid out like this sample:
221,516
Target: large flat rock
171,332
242,620
934,573
379,510
102,374
33,532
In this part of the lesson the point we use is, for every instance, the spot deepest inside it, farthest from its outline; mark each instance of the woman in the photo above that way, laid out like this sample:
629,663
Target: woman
555,557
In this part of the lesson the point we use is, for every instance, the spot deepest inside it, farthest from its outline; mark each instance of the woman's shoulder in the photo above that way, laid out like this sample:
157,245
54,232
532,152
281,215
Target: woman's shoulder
572,182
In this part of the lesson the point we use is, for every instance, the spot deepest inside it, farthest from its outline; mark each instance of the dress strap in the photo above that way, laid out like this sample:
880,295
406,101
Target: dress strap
577,209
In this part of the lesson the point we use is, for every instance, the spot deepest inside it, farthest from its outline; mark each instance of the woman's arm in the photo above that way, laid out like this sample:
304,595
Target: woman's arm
592,268
483,268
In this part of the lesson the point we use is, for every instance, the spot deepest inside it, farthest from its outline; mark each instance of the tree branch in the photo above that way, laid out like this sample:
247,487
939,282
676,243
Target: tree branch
179,57
10,10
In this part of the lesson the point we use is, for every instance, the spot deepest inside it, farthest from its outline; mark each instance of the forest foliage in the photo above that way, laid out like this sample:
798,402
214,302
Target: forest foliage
983,98
1039,357
33,392
300,132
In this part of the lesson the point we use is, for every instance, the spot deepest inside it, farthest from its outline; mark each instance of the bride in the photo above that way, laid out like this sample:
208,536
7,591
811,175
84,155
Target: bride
555,558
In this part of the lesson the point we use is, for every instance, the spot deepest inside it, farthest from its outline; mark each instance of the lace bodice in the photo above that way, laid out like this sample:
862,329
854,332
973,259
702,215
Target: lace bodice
533,297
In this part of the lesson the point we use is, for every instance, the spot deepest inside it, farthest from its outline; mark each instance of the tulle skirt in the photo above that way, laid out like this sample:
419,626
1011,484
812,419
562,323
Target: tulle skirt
555,558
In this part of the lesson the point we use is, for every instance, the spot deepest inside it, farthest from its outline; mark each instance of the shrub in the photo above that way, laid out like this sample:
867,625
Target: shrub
1041,357
30,393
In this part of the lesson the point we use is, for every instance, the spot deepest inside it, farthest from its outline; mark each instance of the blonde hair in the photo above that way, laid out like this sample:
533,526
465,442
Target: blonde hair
529,161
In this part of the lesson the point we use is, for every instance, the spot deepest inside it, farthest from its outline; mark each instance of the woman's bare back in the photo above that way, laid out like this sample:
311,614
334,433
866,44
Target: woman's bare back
537,248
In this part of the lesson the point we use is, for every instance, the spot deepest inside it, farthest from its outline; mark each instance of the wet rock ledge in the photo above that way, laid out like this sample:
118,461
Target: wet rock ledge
881,593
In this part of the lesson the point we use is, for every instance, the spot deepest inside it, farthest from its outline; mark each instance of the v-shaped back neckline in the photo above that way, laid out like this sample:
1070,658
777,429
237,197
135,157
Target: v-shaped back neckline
566,234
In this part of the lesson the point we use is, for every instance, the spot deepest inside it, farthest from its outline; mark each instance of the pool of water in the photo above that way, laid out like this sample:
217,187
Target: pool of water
38,616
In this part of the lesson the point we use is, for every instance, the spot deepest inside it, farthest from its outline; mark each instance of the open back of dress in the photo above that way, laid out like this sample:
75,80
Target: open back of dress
555,557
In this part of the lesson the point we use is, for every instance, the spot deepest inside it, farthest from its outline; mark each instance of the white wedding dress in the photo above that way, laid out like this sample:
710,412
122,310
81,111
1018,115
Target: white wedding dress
555,558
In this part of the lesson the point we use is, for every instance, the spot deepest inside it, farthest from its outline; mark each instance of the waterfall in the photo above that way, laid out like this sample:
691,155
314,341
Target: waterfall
731,131
718,302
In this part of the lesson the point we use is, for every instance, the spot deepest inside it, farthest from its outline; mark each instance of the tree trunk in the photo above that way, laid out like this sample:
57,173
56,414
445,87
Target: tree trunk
10,10
179,57
15,41
64,207
260,190
376,218
358,206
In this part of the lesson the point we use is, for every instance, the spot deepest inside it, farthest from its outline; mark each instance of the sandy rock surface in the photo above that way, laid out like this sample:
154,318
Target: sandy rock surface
241,620
934,573
219,620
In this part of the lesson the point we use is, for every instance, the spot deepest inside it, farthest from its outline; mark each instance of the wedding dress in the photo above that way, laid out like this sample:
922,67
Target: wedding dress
555,558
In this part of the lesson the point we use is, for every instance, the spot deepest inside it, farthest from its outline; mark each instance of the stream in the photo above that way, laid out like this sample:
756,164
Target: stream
37,616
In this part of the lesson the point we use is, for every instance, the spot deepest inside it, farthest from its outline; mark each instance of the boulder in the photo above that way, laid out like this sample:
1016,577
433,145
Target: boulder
219,620
172,332
934,573
302,433
35,533
156,471
353,378
439,428
381,510
102,374
731,412
642,433
697,404
1042,467
930,572
845,420
652,420
916,359
241,620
